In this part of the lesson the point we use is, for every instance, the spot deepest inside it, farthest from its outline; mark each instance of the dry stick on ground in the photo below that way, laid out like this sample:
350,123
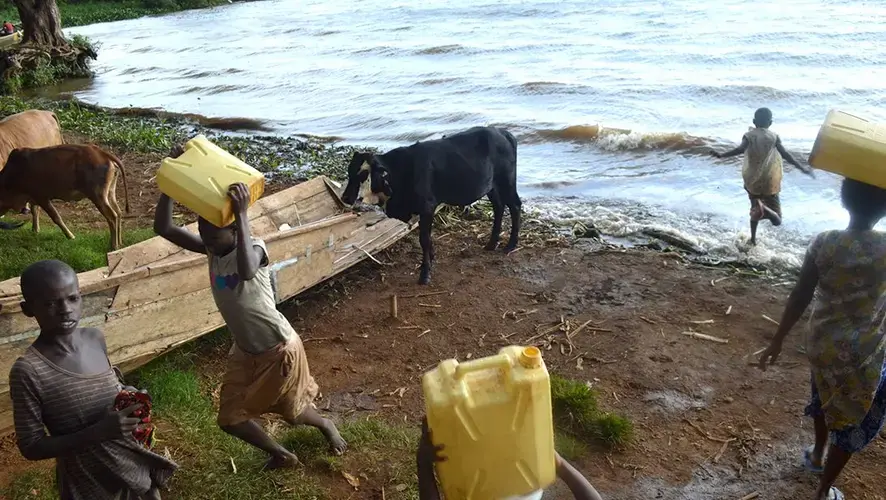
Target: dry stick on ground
767,318
577,330
723,448
429,294
422,334
705,434
410,327
394,306
648,320
752,496
429,305
697,335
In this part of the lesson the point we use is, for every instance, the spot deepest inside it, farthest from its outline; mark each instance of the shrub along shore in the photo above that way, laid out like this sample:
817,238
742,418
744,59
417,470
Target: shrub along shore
80,13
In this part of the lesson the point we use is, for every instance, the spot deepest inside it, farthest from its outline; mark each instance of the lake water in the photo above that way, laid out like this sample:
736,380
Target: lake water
667,80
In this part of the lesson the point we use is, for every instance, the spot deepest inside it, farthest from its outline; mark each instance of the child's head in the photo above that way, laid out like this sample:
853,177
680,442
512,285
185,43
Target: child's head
219,240
865,203
763,118
51,295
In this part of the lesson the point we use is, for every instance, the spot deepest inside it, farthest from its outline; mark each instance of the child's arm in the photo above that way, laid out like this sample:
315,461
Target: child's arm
249,255
579,486
31,437
790,159
798,301
734,152
165,228
425,457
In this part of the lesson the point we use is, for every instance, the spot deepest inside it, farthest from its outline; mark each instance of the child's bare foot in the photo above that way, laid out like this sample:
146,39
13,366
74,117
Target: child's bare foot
337,443
283,461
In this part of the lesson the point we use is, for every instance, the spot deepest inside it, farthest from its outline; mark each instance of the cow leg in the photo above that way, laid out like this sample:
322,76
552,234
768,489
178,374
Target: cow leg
35,217
53,214
498,211
105,209
112,201
514,207
427,247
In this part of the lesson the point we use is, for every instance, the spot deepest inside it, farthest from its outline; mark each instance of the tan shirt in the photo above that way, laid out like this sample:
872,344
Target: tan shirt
762,169
248,307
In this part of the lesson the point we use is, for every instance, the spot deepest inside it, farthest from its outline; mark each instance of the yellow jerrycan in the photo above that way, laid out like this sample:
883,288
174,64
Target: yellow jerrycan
493,417
852,147
199,179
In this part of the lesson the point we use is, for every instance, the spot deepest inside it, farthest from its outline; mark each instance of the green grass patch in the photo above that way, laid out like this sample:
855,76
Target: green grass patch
32,485
22,247
577,413
91,12
134,134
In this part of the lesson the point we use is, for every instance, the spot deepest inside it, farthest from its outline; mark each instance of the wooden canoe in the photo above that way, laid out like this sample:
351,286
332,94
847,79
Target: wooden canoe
154,296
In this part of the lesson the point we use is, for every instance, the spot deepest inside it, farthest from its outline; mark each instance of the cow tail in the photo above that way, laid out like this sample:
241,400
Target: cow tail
123,175
59,125
513,140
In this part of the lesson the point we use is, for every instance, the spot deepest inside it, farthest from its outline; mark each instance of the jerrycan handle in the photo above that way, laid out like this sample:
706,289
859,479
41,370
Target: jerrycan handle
502,361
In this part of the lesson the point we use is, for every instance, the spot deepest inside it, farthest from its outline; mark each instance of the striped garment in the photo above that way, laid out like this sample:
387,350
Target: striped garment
44,394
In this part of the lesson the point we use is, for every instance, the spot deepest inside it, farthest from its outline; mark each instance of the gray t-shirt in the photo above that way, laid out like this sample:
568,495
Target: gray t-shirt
248,307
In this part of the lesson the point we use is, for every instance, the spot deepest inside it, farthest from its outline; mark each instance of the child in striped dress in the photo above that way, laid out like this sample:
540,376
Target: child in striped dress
64,383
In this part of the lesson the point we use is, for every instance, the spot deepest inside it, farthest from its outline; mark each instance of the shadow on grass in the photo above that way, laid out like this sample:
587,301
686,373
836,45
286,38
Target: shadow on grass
21,247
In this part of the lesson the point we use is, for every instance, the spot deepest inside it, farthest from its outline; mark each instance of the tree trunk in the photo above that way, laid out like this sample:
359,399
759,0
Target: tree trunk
41,22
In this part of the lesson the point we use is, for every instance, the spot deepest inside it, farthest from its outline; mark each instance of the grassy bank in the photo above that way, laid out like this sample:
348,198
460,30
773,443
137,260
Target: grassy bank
284,159
75,13
87,251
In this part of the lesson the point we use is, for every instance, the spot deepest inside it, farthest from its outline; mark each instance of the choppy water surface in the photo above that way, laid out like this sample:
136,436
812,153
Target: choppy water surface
666,79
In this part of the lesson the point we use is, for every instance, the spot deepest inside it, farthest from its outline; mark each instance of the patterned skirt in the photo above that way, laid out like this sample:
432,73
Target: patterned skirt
855,438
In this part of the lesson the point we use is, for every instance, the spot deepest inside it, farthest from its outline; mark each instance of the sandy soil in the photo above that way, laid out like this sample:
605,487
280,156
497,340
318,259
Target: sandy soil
685,395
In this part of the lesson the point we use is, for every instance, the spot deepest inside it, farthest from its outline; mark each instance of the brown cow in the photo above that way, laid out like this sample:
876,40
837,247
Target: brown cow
68,173
29,129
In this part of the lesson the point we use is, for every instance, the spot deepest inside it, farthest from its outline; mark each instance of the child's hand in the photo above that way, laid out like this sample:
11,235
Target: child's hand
808,171
770,355
428,453
240,197
118,424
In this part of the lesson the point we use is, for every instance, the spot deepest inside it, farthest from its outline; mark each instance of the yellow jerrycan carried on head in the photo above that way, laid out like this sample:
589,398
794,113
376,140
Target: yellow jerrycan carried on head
493,417
199,179
852,147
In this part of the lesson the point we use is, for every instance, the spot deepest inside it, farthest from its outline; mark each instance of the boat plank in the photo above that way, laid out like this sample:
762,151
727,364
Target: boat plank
158,287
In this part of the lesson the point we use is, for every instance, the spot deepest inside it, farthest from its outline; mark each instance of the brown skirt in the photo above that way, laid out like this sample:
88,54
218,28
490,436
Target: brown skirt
277,381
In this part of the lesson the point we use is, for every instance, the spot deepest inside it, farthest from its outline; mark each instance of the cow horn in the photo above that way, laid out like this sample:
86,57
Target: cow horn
7,225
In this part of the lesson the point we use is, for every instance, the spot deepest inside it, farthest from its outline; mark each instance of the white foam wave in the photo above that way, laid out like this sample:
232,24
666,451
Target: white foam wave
776,248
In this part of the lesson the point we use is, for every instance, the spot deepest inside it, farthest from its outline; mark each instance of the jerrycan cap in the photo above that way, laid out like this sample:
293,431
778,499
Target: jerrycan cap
530,357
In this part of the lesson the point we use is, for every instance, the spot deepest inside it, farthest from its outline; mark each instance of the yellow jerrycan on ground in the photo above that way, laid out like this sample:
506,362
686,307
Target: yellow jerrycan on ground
852,147
493,416
199,179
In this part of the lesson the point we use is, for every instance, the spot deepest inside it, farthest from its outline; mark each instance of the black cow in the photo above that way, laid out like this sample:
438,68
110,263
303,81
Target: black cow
456,170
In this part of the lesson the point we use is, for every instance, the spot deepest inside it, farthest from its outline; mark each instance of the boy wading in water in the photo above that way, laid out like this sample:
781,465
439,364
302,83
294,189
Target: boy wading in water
762,170
65,384
845,271
267,371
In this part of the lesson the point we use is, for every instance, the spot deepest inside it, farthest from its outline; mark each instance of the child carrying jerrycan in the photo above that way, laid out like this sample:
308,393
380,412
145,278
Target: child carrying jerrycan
489,431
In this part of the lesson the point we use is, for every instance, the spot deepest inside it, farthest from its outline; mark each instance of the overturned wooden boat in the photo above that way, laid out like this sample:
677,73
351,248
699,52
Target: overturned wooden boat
154,296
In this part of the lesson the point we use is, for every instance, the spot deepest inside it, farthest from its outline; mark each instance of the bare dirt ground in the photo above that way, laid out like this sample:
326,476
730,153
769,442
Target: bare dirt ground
708,425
